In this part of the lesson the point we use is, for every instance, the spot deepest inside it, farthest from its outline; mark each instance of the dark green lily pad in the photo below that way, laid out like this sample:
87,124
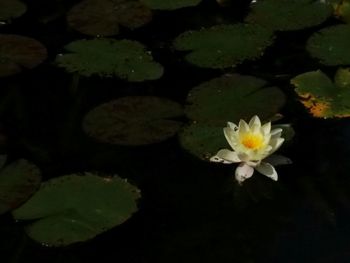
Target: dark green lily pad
204,141
18,181
331,45
322,97
103,17
10,9
231,98
134,121
170,4
225,45
125,59
18,53
289,14
76,208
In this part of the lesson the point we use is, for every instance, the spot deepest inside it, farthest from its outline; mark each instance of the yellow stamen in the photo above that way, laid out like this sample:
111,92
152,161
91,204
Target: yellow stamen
252,141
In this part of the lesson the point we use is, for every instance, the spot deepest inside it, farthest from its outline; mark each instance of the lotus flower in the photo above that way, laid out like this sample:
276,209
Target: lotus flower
252,146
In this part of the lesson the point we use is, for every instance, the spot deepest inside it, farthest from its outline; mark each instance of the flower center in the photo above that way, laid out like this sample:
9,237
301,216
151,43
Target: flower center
252,141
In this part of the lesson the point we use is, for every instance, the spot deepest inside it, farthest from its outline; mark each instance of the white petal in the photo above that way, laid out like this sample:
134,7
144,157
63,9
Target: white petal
243,157
243,172
266,128
255,123
275,133
225,156
267,170
275,144
278,160
243,127
232,126
230,136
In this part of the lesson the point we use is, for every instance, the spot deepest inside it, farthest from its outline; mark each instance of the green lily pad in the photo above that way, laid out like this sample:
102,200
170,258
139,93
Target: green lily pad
10,9
125,59
204,141
322,97
225,45
75,208
170,4
18,181
289,14
331,45
134,121
231,98
18,53
103,17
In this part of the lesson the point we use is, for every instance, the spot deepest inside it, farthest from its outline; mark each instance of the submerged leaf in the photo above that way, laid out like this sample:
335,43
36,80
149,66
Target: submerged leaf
76,208
125,59
18,181
225,45
133,121
289,14
10,9
103,17
331,45
170,4
322,97
18,53
231,98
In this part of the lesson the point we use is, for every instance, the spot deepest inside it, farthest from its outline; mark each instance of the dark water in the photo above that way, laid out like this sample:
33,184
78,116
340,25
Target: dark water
190,211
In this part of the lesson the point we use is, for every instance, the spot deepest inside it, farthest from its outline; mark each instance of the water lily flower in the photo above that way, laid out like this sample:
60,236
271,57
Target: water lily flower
253,145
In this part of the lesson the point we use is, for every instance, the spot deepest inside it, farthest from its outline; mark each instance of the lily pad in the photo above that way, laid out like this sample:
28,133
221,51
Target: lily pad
75,208
331,45
170,4
225,45
134,121
10,9
103,17
231,98
322,97
18,53
204,141
18,181
289,14
125,59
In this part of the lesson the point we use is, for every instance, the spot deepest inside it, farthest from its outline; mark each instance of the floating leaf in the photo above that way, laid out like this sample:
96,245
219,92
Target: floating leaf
204,141
133,120
322,97
75,208
18,52
10,9
225,45
125,59
18,181
231,98
170,4
103,17
331,45
289,14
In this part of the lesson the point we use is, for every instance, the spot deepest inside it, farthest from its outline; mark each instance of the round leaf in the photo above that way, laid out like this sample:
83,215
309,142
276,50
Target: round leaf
103,17
133,121
170,4
18,52
289,14
18,181
225,45
231,98
10,9
331,45
125,59
75,208
322,97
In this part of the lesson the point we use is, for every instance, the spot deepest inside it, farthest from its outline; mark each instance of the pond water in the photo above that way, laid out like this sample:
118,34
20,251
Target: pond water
190,210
